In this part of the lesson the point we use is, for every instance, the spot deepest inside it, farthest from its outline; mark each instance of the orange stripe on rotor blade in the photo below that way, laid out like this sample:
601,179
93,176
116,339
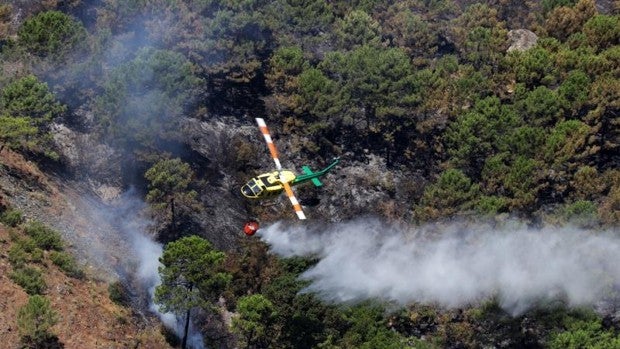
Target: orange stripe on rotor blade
296,205
272,149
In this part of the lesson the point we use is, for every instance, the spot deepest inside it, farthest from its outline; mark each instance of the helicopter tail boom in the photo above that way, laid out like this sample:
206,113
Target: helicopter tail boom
313,176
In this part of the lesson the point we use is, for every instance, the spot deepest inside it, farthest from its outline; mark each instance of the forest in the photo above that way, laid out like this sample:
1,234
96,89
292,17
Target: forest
463,123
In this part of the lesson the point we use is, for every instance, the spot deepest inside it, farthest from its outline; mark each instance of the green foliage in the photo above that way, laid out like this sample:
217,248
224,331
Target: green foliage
410,31
26,109
524,140
304,320
452,192
491,205
67,263
540,107
52,34
287,61
255,320
169,191
584,333
575,89
357,29
118,293
533,67
28,97
473,136
144,98
480,36
513,176
34,321
18,256
30,279
581,212
294,19
43,236
168,179
190,275
565,142
367,328
370,87
587,183
18,133
549,5
24,250
12,217
603,31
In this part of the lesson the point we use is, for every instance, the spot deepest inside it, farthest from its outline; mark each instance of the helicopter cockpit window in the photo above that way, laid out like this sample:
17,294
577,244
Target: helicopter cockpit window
251,189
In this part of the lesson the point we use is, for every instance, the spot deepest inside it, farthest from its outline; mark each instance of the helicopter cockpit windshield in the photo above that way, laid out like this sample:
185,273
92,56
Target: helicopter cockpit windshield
251,189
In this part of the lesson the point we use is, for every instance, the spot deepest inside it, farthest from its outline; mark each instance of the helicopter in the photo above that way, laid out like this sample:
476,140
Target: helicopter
272,184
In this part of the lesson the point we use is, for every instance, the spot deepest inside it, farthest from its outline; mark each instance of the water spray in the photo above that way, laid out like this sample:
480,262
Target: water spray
454,264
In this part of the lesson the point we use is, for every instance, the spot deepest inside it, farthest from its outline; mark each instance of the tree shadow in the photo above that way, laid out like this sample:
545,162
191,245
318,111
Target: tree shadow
51,342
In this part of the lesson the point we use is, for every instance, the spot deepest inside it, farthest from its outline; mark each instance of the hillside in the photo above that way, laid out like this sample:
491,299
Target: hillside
476,201
87,317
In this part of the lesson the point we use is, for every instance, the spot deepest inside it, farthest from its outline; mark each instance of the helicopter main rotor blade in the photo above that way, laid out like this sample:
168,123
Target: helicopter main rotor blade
291,196
274,154
272,147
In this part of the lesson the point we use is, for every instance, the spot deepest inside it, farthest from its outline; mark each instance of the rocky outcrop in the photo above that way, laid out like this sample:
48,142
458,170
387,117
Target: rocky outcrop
95,163
521,40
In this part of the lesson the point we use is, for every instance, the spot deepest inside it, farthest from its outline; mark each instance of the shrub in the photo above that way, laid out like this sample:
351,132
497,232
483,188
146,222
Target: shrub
18,257
24,251
12,217
30,279
588,333
44,237
34,321
67,263
581,212
118,293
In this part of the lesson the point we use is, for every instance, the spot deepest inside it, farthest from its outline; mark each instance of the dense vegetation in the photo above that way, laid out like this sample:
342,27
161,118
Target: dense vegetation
429,86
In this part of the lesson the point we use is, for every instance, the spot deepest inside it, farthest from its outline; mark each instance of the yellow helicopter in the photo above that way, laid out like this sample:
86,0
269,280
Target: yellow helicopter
271,184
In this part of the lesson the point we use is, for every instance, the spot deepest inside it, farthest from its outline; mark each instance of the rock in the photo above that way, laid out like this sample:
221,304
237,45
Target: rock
521,40
84,155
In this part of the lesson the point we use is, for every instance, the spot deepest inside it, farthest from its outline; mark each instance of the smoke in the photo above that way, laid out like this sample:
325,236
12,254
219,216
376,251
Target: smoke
116,239
454,264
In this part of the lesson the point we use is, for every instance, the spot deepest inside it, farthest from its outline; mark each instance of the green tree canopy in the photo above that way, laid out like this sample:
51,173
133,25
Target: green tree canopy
367,329
357,29
191,277
452,192
52,34
474,136
370,88
27,108
34,321
255,321
170,193
410,31
603,31
144,98
28,97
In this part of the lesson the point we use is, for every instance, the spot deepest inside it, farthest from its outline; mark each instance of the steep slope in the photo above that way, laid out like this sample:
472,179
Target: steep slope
87,316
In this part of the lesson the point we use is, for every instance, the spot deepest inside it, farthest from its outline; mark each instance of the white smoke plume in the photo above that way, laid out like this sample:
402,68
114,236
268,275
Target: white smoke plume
454,264
126,240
